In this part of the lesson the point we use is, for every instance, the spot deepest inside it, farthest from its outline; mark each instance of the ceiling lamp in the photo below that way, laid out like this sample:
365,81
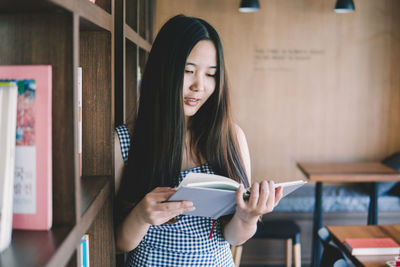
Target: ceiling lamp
344,6
247,6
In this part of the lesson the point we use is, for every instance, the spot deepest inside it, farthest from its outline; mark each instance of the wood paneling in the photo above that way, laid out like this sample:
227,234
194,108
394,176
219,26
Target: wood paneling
308,84
131,88
96,65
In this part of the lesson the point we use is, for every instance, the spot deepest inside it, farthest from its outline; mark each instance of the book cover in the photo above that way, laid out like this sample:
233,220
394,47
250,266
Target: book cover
372,246
8,118
33,158
214,195
85,251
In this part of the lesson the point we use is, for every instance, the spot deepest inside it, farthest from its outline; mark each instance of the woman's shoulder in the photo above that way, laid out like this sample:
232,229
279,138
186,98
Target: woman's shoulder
239,132
244,150
123,137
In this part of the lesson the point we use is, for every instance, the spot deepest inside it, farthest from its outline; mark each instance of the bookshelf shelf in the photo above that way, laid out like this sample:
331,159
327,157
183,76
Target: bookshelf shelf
34,248
54,247
94,14
81,7
132,36
94,191
68,34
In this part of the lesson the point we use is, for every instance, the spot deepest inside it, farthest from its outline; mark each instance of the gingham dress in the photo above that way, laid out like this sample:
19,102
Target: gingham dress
187,242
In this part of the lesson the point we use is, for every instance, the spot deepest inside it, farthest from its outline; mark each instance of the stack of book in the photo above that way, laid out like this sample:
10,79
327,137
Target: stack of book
372,246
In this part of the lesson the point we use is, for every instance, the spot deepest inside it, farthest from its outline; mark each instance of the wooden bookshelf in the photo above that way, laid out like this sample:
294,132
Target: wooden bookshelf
131,48
132,45
104,40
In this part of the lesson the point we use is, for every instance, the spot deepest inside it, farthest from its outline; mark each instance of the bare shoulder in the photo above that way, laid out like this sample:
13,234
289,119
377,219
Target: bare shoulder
118,161
240,135
244,149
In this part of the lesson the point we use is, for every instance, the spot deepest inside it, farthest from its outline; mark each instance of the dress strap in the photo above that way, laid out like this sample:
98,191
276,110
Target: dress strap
124,140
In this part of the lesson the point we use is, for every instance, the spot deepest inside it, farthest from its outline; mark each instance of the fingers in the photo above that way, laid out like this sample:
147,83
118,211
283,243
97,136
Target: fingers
170,210
278,194
159,213
263,198
155,209
161,194
254,194
271,196
264,193
163,189
175,206
239,196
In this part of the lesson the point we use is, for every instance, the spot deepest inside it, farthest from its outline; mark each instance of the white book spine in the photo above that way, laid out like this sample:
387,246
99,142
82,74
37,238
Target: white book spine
79,85
8,118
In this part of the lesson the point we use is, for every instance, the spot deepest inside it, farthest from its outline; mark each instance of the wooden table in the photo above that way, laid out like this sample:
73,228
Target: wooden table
339,233
344,172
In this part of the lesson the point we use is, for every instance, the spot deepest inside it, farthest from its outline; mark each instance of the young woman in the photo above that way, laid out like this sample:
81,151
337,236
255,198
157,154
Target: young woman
184,125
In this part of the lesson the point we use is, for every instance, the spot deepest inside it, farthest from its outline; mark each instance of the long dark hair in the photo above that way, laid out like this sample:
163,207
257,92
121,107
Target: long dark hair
158,137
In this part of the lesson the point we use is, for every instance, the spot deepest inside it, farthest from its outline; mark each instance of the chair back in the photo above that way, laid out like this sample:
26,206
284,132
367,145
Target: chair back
332,256
340,263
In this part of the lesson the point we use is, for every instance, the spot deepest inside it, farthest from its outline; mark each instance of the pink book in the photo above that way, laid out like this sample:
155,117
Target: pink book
33,156
372,246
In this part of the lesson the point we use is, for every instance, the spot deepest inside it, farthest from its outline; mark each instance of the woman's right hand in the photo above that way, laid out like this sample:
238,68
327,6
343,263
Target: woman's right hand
153,208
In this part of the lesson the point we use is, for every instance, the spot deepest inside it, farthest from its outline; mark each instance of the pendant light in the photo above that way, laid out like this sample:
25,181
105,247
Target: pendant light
247,6
344,6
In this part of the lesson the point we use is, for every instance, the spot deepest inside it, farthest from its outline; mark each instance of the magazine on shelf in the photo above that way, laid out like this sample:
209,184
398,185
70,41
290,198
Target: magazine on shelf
214,195
33,158
8,118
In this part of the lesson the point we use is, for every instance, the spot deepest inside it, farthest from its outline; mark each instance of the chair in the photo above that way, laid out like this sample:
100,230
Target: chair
236,254
332,255
277,229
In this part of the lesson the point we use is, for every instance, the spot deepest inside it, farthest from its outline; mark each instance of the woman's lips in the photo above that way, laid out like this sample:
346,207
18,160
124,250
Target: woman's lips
191,101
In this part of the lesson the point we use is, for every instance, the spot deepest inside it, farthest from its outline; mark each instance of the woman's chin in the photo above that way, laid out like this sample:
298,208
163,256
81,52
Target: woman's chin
190,112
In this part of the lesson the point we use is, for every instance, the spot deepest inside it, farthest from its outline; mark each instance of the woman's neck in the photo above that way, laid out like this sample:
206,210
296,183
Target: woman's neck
189,158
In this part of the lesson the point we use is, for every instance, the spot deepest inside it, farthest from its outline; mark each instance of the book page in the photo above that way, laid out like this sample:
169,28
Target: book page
208,181
289,187
204,180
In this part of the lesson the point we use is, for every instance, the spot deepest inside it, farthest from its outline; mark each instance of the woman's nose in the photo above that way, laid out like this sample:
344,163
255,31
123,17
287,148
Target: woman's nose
198,84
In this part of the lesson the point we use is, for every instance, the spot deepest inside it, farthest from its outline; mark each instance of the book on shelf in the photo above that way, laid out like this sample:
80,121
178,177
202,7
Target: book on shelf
372,246
85,251
33,158
8,118
79,110
214,195
139,77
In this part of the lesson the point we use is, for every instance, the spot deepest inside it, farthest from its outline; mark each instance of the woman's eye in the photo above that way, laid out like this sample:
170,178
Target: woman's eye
211,75
188,71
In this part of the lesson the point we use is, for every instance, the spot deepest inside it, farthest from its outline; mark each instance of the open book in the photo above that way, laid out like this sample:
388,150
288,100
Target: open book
215,196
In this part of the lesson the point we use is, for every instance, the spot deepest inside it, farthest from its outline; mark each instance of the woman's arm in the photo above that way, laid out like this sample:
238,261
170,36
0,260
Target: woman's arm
118,162
151,210
263,198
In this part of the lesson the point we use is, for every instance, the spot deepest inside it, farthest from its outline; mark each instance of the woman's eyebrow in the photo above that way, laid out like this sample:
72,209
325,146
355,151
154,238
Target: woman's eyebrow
193,64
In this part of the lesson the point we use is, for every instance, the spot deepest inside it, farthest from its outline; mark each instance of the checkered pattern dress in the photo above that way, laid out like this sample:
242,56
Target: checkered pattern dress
187,242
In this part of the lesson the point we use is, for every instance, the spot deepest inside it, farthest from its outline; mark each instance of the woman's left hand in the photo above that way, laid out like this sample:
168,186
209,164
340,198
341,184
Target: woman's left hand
263,198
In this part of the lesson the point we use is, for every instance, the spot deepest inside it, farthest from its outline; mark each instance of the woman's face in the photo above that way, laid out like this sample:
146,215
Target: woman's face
200,76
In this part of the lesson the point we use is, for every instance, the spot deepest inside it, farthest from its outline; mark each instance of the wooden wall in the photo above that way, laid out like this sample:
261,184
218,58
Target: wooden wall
307,83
